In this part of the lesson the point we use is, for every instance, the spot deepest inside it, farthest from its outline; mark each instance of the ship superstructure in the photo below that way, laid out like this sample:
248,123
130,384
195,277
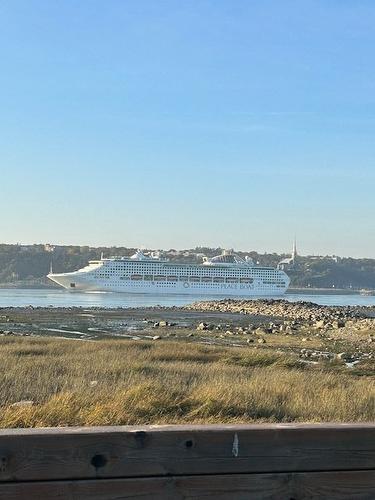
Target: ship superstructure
227,274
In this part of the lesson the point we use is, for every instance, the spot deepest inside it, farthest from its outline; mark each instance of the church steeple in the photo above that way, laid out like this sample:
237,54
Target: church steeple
294,252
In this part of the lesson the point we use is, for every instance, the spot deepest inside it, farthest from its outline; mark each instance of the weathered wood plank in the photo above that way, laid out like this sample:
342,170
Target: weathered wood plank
359,485
84,453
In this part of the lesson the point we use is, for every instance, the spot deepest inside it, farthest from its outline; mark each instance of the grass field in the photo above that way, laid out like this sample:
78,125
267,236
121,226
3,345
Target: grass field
117,382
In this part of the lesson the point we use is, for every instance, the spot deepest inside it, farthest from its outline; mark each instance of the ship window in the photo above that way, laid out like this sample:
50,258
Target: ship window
231,280
72,285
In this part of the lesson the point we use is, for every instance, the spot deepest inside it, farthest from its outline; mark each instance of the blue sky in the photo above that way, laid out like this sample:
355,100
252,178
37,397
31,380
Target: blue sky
170,124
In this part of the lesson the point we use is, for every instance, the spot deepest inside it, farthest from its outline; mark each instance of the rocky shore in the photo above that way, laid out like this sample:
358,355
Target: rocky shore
335,328
309,331
291,316
285,309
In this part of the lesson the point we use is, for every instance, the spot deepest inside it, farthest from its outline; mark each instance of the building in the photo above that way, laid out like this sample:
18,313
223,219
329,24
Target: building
290,262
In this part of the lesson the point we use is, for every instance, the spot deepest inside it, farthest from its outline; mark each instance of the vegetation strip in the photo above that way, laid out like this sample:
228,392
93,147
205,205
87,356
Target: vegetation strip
49,382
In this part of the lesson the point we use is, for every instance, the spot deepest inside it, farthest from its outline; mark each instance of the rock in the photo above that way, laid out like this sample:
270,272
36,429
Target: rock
190,335
319,324
156,337
261,341
156,324
163,323
260,331
338,324
343,356
22,404
93,383
202,326
250,341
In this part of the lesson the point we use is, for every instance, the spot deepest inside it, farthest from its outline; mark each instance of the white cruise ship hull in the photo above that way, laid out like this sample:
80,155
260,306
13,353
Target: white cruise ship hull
179,288
142,275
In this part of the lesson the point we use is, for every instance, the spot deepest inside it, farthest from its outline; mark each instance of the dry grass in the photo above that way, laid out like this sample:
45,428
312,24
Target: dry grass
120,382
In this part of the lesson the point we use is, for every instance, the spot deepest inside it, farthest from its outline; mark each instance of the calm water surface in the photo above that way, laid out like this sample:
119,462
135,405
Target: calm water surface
64,298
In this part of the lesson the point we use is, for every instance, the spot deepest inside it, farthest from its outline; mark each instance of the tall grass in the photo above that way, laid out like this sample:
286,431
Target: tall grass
119,382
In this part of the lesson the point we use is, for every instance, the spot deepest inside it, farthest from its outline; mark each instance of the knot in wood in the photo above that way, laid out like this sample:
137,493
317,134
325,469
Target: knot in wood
3,463
99,461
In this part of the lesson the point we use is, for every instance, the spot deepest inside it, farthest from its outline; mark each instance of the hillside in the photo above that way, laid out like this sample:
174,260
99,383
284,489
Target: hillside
30,264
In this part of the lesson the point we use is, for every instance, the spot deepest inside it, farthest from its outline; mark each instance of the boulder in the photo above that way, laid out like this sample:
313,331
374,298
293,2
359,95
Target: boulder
202,326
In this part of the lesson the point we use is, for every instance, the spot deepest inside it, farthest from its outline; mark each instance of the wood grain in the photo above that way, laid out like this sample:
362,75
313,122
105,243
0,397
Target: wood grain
358,485
121,452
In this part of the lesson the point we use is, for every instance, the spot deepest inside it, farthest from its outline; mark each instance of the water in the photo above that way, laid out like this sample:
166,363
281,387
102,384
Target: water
64,298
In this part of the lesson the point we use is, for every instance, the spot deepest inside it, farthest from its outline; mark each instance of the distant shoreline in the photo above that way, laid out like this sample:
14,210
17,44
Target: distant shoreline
290,291
322,291
26,286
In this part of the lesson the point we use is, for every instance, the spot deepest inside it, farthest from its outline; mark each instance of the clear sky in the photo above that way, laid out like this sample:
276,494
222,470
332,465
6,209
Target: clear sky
175,123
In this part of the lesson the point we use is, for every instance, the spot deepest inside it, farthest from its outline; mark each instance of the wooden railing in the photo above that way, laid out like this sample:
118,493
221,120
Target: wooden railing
281,462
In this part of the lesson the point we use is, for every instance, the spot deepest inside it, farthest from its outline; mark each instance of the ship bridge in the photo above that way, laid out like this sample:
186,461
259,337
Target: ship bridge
228,259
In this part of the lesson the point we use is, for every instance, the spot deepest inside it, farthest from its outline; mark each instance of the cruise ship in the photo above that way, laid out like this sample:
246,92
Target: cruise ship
226,275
